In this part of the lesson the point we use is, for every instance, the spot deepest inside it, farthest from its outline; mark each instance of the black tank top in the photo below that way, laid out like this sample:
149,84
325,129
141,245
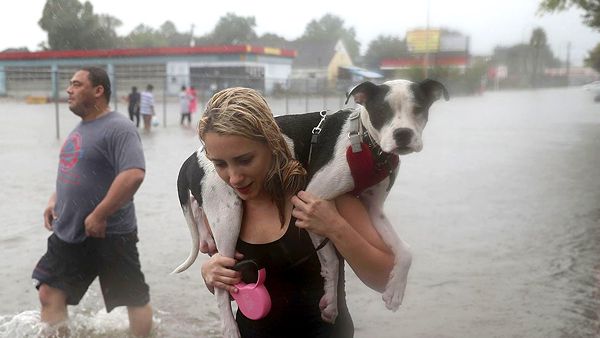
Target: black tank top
295,285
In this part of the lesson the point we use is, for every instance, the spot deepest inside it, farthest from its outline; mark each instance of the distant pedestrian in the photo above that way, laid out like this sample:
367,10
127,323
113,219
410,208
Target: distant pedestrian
193,99
184,103
134,106
147,107
91,213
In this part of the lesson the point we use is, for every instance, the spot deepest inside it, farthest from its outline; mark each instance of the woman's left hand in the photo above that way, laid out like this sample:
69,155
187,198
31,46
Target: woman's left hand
314,214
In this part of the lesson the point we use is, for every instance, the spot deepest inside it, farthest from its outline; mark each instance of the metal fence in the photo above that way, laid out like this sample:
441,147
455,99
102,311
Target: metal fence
44,85
39,85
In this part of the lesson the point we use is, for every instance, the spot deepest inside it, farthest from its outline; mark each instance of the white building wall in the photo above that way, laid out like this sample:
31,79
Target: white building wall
178,74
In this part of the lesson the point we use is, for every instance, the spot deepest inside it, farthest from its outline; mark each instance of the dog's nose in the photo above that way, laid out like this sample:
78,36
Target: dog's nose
403,136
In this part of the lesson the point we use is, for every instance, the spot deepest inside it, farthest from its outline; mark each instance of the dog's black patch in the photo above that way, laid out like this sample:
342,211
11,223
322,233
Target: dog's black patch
189,179
380,111
299,128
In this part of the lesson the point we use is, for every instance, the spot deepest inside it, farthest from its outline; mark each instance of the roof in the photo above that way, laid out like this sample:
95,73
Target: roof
140,52
313,54
365,73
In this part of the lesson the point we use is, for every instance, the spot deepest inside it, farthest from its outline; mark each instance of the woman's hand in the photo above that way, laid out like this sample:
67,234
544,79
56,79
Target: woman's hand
316,215
217,272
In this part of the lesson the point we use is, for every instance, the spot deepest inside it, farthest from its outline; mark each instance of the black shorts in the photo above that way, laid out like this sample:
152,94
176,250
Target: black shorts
72,267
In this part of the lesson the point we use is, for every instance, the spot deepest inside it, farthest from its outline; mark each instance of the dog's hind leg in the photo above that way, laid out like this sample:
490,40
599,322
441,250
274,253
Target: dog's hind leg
223,210
207,243
373,199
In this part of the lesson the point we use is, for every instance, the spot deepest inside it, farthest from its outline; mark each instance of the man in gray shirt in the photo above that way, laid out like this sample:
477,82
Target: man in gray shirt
91,214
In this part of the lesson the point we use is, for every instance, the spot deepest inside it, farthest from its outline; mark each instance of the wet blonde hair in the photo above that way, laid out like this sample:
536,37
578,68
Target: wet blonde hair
244,112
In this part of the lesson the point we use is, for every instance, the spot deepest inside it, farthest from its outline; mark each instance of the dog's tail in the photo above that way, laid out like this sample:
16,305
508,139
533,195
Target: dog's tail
186,177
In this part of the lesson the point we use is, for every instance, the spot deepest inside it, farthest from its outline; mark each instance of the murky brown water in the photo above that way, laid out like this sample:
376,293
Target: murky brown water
501,208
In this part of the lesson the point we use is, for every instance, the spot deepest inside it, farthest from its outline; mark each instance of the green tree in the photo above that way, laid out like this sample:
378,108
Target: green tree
73,25
143,36
537,42
591,8
593,59
331,27
233,29
384,47
272,40
172,37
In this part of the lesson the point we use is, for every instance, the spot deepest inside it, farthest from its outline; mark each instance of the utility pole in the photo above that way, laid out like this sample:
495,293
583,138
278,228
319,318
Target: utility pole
192,42
568,63
426,57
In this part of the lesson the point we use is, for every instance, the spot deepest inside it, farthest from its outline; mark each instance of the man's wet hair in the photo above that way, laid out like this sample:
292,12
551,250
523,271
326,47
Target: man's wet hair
99,77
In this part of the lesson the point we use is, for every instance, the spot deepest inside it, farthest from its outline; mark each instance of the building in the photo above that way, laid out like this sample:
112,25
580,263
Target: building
317,64
209,68
431,48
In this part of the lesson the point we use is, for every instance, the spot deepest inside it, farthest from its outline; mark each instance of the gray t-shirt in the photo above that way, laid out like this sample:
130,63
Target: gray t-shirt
92,156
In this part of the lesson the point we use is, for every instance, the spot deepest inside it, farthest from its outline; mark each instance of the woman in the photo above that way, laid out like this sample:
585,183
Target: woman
249,152
134,106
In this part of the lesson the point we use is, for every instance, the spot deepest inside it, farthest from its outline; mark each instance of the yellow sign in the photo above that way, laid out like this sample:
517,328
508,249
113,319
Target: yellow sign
423,40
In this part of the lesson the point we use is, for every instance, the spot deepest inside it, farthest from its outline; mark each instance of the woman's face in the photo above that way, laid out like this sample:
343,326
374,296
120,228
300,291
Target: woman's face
240,162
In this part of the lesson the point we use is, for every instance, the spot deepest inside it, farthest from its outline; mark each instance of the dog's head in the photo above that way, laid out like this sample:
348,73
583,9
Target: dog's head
395,112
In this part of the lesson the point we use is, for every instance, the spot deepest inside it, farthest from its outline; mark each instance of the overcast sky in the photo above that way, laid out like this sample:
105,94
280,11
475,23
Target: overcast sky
488,23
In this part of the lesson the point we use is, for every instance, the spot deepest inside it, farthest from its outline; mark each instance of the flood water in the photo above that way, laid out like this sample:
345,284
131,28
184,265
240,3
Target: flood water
501,208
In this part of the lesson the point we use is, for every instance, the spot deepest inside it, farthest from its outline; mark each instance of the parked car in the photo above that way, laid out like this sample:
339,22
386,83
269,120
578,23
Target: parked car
594,88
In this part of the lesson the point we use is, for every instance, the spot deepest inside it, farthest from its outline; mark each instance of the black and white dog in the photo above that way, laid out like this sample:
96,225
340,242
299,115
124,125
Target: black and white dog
388,123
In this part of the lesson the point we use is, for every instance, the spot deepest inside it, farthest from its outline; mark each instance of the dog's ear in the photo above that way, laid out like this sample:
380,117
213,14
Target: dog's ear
434,90
362,92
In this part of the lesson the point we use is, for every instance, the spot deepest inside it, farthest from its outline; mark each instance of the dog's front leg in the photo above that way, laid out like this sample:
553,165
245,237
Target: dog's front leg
373,199
224,210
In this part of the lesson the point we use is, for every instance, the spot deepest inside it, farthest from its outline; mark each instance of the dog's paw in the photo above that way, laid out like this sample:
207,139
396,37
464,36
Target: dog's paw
329,309
393,295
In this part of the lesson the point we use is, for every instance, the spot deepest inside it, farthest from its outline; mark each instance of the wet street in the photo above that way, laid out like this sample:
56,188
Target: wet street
501,209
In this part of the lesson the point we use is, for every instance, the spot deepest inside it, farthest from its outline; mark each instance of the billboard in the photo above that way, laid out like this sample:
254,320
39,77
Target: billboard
423,40
454,43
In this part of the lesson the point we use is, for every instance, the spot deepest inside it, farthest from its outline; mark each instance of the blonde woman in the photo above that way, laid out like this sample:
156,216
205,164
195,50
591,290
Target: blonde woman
249,153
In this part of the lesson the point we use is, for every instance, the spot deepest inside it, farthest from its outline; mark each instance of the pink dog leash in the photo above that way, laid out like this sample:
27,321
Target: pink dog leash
253,298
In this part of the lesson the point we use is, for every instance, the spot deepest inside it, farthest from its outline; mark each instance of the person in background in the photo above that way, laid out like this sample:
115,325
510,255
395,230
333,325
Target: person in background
91,213
184,103
147,107
193,100
134,106
250,154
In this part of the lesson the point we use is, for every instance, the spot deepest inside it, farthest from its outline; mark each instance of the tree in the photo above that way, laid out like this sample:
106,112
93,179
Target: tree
172,37
593,59
591,17
143,36
272,40
384,47
524,60
537,42
233,29
73,25
331,27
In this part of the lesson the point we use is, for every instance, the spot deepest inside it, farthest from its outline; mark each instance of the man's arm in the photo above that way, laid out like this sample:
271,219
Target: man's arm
49,213
121,190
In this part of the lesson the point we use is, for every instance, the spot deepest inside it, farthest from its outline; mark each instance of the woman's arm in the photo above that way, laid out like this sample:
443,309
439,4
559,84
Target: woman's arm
347,224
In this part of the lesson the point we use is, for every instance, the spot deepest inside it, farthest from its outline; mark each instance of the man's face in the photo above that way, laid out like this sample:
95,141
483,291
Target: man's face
82,95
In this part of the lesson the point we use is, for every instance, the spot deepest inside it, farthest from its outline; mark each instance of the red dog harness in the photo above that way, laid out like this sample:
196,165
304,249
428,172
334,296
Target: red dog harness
368,164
